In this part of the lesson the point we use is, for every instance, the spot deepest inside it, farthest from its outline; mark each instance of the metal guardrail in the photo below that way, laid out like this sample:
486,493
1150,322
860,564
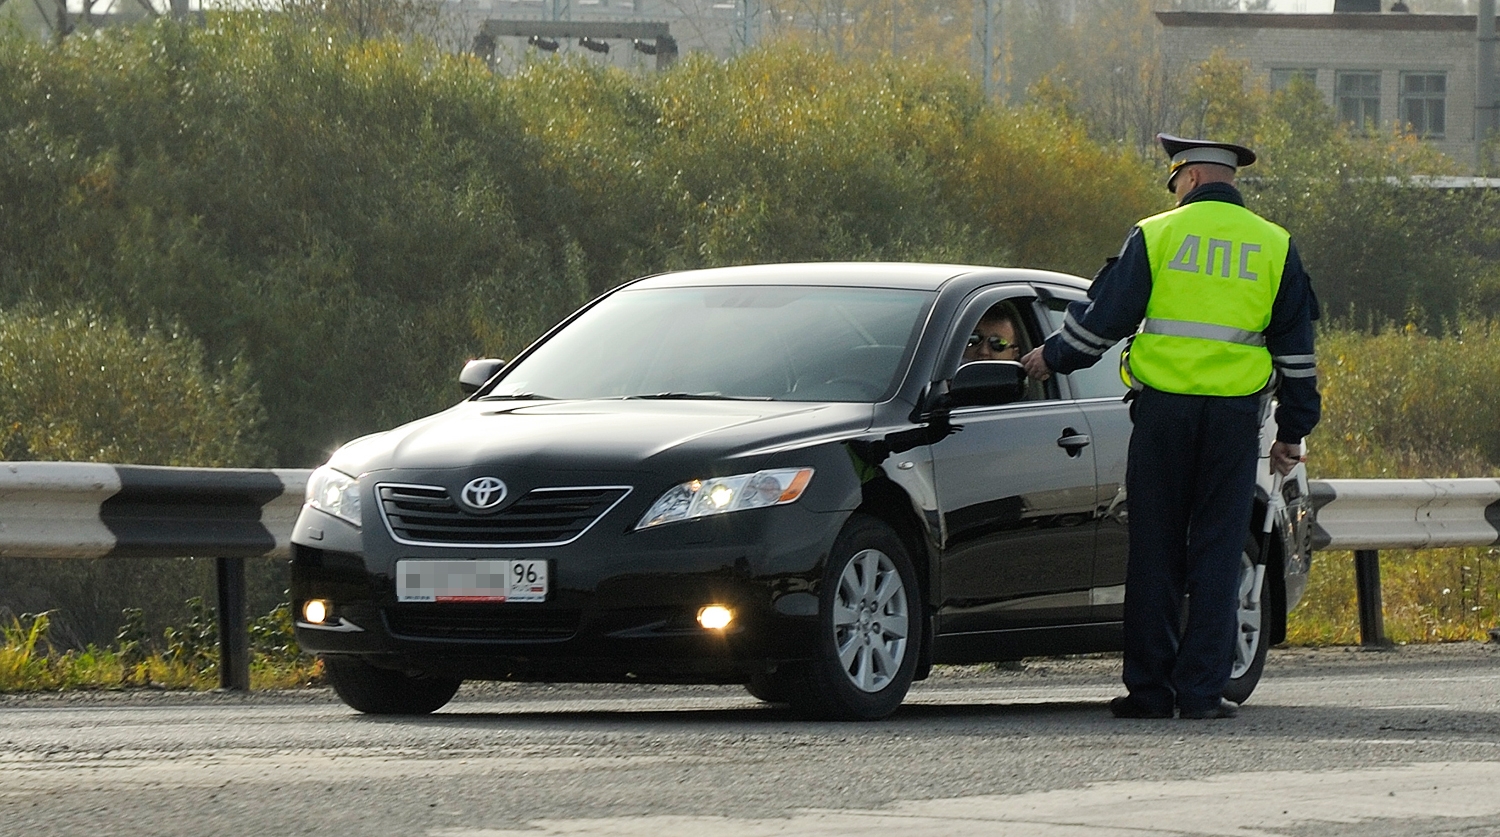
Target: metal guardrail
1367,516
83,510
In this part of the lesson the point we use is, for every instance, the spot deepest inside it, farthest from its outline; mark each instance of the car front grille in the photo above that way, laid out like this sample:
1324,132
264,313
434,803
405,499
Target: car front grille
514,622
426,515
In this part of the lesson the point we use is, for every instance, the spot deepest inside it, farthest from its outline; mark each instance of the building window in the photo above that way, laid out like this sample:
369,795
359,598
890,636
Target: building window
1422,103
1357,96
1282,78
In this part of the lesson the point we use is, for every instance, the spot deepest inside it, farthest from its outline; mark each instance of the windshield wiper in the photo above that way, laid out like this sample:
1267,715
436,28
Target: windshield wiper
684,396
518,396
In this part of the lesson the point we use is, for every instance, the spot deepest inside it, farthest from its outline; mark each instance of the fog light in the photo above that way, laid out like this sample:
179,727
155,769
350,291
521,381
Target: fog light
715,617
315,611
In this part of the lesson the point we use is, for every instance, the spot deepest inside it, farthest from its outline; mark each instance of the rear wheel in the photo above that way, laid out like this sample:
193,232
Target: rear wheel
869,629
1253,627
379,691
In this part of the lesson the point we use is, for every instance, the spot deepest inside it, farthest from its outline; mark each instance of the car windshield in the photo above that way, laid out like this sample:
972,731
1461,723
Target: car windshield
742,342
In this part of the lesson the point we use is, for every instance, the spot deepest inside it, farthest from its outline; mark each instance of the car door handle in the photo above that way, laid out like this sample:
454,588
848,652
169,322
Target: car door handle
1072,441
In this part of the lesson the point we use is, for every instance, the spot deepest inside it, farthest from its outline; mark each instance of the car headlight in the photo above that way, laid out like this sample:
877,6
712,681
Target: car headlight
721,495
334,492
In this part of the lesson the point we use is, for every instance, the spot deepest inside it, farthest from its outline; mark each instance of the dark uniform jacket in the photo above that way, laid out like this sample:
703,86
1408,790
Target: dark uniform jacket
1117,305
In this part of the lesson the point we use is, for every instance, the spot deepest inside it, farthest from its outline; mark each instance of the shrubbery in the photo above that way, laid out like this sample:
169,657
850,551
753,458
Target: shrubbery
1403,404
355,218
80,387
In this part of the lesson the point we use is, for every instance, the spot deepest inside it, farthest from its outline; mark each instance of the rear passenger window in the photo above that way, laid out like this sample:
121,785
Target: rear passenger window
1102,380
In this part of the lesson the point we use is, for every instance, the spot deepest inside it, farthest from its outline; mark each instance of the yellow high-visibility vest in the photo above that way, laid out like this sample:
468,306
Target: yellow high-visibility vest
1215,270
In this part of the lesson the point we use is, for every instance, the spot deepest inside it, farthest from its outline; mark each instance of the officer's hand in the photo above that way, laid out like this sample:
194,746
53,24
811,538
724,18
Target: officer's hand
1284,457
1036,367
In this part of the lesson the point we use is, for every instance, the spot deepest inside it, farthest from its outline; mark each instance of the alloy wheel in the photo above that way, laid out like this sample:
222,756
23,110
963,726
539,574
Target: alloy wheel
871,620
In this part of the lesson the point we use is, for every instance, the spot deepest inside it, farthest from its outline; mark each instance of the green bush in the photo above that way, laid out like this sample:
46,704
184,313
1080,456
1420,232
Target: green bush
1403,404
83,388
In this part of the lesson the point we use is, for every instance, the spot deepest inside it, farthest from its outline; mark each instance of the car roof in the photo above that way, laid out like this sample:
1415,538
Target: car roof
903,275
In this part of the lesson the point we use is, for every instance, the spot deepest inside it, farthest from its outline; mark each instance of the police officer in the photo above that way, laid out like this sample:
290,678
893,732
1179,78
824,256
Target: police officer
1222,313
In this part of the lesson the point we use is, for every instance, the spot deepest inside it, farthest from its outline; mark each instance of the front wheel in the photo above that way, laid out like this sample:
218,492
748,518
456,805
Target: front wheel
1253,625
869,631
379,691
768,688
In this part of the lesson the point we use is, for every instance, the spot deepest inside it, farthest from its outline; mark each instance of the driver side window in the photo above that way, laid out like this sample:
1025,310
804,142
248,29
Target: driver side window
1002,329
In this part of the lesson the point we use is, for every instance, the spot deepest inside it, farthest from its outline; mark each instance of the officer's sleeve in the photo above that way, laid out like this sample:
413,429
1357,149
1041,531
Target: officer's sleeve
1116,306
1289,338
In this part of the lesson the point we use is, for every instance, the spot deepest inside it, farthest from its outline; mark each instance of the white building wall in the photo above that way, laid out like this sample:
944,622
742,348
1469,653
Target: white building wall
1328,50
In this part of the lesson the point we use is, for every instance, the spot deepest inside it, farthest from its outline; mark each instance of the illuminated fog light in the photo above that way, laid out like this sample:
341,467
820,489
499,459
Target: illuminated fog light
715,617
315,611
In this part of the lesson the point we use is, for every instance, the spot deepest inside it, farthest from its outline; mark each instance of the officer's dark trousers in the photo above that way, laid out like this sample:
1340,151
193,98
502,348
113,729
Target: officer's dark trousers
1191,481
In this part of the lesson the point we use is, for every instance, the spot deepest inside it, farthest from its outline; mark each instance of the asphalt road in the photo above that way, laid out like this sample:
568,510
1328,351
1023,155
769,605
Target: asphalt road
1336,743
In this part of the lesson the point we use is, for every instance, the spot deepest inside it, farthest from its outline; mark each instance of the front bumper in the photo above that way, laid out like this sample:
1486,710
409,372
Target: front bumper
622,605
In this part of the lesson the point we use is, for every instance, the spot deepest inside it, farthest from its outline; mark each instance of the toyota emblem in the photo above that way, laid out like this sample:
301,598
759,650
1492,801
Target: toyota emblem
484,493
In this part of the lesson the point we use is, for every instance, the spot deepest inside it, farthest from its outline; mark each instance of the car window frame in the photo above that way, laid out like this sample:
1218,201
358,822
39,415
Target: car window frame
1024,298
1041,312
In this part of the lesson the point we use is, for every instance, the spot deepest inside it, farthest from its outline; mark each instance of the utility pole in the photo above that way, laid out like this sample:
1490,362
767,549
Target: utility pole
1485,99
988,26
748,31
561,10
895,27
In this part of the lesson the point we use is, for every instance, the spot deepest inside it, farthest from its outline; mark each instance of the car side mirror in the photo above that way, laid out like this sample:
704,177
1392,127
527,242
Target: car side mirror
987,383
476,372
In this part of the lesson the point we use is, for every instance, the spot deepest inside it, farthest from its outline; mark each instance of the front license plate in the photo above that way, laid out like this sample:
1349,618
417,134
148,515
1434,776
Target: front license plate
471,581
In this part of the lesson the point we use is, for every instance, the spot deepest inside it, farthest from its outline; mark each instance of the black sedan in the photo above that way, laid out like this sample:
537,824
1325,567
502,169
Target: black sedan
803,478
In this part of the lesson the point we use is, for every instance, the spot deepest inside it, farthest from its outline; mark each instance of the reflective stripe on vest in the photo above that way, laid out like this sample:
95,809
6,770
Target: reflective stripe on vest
1203,331
1215,271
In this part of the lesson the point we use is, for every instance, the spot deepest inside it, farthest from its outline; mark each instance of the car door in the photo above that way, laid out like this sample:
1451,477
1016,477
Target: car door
1016,495
1099,394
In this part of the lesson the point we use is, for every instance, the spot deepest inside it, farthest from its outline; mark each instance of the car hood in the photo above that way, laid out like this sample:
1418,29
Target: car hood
610,435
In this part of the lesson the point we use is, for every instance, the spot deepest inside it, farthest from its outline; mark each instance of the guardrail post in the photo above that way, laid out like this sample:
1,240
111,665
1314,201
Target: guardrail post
1367,594
234,629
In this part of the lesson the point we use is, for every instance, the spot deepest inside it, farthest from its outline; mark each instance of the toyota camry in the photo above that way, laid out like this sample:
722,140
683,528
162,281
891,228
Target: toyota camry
800,478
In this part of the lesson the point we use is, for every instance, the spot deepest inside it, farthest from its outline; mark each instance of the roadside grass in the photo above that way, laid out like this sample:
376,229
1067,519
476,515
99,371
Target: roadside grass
29,663
1429,595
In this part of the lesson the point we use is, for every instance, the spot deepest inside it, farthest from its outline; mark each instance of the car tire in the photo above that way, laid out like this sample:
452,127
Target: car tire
379,691
770,688
1252,628
869,632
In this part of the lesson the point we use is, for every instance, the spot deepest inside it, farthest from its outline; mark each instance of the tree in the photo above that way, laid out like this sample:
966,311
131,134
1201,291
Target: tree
367,19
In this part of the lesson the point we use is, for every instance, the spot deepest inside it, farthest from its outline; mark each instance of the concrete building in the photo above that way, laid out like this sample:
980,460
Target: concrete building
719,27
1376,68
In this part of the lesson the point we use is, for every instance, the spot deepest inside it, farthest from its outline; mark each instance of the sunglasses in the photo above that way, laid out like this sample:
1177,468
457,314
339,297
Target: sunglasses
996,344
